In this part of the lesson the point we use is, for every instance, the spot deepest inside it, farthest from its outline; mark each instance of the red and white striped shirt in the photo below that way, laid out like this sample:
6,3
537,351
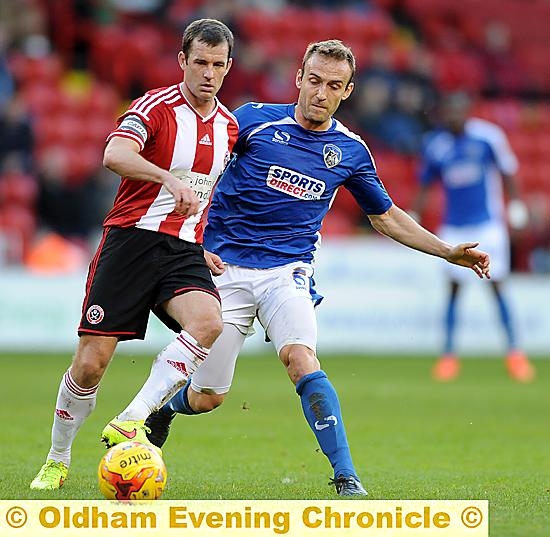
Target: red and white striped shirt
176,138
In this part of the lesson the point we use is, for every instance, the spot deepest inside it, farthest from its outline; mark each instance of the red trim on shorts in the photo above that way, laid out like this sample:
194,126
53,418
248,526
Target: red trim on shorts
100,333
183,290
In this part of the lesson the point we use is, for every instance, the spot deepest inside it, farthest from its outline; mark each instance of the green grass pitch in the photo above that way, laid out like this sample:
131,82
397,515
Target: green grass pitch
481,437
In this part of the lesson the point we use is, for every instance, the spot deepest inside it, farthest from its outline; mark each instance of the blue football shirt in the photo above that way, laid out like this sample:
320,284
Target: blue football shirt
269,204
469,166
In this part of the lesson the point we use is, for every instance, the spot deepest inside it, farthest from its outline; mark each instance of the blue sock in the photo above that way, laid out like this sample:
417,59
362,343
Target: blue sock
180,402
450,323
322,411
506,320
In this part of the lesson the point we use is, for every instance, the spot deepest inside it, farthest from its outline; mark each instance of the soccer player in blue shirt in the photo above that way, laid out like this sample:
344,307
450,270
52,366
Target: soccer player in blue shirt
263,231
473,159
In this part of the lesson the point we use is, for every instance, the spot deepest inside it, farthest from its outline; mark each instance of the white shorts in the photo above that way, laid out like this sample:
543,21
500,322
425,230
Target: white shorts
283,300
492,238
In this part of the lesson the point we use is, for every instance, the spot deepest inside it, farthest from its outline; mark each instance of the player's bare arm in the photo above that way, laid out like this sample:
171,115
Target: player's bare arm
399,226
122,157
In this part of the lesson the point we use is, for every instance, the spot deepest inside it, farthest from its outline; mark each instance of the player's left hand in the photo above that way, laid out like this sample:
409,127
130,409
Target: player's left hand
466,255
214,262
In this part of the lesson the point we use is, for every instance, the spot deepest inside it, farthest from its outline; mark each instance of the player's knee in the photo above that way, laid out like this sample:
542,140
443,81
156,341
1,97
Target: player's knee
87,371
299,361
207,330
202,402
91,361
216,328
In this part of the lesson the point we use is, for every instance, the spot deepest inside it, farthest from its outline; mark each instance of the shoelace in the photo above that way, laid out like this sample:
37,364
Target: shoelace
338,482
46,475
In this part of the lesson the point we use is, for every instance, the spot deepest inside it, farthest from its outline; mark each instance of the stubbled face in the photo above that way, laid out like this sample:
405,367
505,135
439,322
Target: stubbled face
204,70
323,86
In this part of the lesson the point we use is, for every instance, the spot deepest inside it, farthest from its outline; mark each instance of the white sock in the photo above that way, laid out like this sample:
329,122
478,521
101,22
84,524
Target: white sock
170,371
74,404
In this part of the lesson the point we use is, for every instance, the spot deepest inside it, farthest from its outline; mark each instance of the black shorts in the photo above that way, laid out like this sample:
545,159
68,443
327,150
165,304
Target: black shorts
135,271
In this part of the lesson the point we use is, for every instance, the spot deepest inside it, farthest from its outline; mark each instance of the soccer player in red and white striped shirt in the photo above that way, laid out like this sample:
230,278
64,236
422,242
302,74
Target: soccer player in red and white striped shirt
169,148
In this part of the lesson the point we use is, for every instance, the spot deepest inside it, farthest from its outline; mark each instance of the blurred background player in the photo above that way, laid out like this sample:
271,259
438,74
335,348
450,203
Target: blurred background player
264,224
169,148
473,159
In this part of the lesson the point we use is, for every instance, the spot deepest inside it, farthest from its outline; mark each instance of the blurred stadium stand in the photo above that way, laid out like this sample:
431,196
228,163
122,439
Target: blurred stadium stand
67,68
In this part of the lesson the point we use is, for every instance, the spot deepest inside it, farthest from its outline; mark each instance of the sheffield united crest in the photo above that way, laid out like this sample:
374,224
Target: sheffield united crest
95,314
332,155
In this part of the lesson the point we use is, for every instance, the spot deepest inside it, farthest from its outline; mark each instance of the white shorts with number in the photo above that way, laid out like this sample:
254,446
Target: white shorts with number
492,238
283,301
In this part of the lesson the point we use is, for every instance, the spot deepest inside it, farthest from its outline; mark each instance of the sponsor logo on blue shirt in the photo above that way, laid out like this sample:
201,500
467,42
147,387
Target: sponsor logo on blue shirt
294,183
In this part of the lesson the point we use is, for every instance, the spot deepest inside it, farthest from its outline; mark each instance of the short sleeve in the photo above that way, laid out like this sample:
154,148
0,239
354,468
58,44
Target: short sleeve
137,126
367,188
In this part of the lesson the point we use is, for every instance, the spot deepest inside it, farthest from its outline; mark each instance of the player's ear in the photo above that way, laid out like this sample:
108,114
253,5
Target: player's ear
181,59
299,79
229,64
348,91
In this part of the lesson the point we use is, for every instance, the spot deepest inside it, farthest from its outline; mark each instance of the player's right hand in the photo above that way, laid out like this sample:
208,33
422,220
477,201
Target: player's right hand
187,202
466,255
214,262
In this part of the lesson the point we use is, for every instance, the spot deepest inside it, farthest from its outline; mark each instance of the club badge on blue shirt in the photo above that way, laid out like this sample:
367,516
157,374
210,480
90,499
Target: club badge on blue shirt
332,155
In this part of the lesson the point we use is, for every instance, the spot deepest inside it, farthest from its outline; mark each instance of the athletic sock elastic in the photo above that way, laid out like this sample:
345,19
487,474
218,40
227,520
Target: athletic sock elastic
74,404
322,412
170,371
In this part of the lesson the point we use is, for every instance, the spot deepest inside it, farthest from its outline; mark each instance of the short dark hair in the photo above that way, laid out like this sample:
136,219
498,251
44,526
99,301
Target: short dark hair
209,31
333,48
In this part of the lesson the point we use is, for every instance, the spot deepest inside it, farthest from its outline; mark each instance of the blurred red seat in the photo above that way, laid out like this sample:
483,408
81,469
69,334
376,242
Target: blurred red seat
45,70
59,129
458,70
320,21
397,172
541,141
524,144
180,11
42,98
351,26
83,160
103,100
534,177
105,41
256,24
338,224
164,71
97,130
17,227
346,204
18,189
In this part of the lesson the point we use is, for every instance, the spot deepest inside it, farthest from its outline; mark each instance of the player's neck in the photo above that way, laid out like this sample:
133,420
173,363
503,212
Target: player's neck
203,108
